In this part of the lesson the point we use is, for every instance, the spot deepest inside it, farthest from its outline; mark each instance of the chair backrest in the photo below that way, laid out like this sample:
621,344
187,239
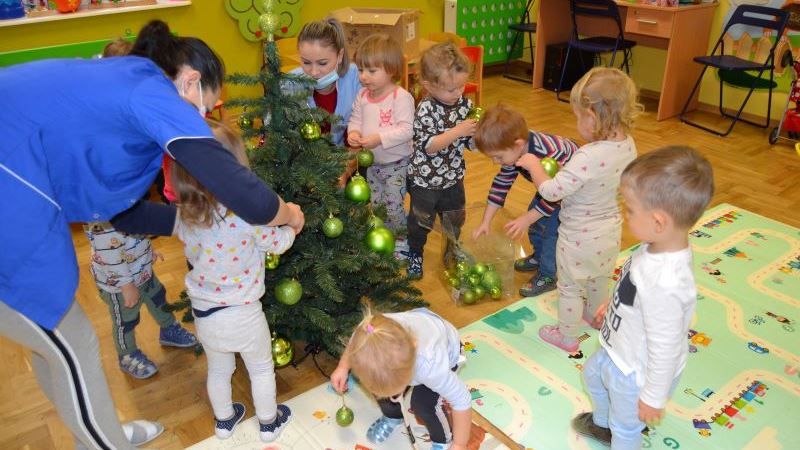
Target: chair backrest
444,36
759,16
595,8
526,13
475,55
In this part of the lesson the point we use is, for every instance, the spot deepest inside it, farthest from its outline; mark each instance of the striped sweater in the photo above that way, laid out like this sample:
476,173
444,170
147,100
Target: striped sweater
541,145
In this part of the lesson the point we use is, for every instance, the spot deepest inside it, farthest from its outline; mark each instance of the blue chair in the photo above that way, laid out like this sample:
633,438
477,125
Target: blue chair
603,9
746,15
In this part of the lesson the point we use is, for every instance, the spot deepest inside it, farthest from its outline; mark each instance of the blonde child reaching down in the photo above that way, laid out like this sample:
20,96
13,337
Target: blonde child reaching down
441,133
224,286
417,348
381,121
643,338
604,101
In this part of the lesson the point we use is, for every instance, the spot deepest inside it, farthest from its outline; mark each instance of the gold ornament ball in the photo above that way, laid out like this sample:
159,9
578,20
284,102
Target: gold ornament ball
282,350
310,130
357,190
496,293
475,114
269,22
344,416
245,122
550,166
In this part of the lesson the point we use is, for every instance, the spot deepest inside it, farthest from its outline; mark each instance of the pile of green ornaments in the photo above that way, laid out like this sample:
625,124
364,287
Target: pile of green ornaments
474,281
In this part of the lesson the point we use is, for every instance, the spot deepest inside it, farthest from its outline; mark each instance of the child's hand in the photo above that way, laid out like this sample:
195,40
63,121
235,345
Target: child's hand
371,141
517,227
354,139
339,378
601,312
130,295
298,219
466,127
649,415
526,161
482,229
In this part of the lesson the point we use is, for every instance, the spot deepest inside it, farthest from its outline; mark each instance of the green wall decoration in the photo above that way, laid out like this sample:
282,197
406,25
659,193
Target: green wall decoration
485,22
246,13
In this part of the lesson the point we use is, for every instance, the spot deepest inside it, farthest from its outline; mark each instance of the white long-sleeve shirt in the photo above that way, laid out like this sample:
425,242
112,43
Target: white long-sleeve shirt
228,259
438,351
647,322
390,117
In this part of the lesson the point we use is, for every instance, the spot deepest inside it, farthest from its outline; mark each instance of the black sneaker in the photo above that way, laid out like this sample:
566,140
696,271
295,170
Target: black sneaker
526,264
224,428
537,285
584,425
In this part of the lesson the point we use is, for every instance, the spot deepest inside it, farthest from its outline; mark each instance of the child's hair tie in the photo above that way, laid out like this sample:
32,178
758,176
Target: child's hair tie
370,328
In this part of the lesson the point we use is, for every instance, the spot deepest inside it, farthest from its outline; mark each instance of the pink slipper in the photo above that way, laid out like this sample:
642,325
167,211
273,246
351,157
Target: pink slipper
552,335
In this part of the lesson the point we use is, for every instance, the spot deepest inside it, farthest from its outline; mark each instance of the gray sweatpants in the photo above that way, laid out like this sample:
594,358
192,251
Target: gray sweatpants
66,362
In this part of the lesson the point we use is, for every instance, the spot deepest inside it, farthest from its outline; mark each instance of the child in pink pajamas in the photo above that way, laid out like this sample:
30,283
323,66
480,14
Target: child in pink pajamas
605,103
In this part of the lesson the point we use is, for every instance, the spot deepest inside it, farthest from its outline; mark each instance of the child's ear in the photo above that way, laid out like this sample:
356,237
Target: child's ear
520,144
661,219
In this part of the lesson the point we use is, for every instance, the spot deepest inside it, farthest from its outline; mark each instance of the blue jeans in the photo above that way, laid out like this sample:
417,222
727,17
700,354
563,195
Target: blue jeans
615,397
543,235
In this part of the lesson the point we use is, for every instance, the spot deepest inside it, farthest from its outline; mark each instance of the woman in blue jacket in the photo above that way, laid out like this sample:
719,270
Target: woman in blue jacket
85,150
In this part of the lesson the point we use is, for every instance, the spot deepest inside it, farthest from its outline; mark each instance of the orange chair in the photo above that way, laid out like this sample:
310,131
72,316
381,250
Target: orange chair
475,83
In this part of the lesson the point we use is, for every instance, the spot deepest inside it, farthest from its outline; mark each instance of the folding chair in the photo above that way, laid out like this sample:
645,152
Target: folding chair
603,9
527,27
747,15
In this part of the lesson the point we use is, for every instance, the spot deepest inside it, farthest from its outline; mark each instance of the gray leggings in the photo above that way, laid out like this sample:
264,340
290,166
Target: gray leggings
66,361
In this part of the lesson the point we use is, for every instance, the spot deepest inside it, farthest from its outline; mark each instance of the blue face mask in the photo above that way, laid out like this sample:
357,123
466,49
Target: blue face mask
327,80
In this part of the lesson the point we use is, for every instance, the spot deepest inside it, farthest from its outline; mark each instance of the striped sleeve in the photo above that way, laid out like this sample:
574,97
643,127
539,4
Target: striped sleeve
559,148
501,184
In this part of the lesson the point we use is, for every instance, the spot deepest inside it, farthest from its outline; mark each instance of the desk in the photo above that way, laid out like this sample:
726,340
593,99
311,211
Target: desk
683,31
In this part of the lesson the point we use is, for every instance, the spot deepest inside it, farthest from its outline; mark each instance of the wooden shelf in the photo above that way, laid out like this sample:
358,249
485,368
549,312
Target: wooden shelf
94,12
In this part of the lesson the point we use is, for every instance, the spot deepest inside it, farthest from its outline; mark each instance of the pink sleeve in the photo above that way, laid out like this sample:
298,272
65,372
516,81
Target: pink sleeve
355,117
402,131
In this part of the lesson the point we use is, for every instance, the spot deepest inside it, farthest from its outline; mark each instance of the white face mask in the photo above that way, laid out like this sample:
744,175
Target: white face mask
327,80
202,108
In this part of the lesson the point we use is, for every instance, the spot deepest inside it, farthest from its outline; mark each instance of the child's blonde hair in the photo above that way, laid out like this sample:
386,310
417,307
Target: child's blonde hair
196,205
675,179
443,60
382,353
611,95
380,51
499,128
117,47
329,33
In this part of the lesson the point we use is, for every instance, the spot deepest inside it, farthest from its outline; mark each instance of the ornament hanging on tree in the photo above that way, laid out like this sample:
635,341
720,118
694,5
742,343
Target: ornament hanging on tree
550,166
344,416
245,122
271,261
475,114
374,222
365,158
282,350
288,291
310,130
357,189
269,22
332,227
381,240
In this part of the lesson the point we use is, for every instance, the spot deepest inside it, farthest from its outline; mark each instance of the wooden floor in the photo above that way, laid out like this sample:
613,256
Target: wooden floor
749,173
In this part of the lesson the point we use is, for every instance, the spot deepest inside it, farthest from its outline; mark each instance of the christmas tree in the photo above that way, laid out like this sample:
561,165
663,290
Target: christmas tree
344,253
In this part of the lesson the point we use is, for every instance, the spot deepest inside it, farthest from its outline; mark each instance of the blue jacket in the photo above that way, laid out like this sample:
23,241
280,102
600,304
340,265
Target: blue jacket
80,141
347,90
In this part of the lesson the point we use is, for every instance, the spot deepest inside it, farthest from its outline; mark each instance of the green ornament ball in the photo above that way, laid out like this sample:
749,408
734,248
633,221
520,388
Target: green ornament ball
462,266
344,416
476,113
245,122
453,281
490,267
282,350
365,158
310,130
380,240
271,261
374,222
474,280
469,297
446,274
332,227
357,189
550,166
288,291
496,293
479,269
479,291
491,279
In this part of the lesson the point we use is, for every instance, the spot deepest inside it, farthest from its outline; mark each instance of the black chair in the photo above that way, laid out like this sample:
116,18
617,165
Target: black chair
524,26
602,9
747,15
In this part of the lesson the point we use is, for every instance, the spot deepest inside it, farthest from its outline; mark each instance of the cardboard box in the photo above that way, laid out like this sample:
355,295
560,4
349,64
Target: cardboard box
401,24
